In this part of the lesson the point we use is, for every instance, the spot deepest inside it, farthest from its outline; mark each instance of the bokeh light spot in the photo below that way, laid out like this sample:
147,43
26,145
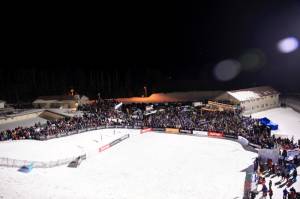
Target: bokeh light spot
227,69
252,60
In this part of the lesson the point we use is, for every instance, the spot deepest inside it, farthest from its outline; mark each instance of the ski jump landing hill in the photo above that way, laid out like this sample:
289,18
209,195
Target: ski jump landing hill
48,152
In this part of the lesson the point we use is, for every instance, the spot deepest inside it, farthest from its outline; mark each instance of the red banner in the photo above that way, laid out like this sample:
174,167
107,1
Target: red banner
104,147
215,134
146,130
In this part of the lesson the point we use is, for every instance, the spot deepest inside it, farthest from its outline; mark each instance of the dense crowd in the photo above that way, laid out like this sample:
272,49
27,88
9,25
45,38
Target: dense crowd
172,115
285,169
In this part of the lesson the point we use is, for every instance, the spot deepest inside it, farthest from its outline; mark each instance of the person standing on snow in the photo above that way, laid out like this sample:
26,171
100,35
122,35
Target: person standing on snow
285,193
265,191
270,193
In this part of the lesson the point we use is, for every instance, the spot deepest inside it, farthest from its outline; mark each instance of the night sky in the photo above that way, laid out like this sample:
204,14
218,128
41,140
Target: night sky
118,49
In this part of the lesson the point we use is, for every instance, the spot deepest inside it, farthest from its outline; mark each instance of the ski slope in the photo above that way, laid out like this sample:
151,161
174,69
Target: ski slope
62,148
150,165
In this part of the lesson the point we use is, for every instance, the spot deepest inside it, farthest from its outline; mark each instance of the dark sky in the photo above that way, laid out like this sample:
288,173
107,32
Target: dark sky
117,49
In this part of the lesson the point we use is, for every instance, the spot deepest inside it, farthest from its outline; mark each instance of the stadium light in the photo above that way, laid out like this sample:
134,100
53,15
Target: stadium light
288,45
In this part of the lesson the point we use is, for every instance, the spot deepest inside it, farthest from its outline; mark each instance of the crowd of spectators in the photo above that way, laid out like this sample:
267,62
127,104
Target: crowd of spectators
172,115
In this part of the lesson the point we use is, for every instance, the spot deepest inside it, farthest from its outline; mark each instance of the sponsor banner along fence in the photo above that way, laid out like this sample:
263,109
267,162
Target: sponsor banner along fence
215,134
292,153
231,136
200,133
172,130
103,148
119,140
184,131
158,129
146,130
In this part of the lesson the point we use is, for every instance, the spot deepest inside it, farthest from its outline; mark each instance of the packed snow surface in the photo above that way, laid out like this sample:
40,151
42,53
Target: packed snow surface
150,165
59,148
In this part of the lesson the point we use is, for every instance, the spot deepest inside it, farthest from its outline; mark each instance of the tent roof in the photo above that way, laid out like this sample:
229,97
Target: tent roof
252,93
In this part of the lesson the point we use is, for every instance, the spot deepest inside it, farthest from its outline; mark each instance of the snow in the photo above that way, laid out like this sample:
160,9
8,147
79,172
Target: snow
277,187
287,119
149,165
56,149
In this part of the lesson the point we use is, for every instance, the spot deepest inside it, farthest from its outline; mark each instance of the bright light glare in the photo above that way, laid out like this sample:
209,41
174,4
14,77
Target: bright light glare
288,45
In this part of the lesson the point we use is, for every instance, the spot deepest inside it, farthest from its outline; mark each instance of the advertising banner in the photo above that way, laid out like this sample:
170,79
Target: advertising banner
110,127
186,131
231,136
124,137
215,134
119,140
158,129
137,127
103,148
115,142
200,133
146,130
172,130
292,153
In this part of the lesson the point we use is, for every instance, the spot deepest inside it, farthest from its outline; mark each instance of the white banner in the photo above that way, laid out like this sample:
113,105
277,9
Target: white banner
292,153
200,133
266,154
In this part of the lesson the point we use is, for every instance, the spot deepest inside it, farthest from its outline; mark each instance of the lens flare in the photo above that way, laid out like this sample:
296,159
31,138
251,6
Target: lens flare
288,45
227,69
252,60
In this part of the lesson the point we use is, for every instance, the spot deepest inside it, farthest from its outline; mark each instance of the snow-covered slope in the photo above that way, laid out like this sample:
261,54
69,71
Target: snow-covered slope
150,165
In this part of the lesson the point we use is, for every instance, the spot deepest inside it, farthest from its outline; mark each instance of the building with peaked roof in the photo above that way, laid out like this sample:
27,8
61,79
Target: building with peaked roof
61,101
252,100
